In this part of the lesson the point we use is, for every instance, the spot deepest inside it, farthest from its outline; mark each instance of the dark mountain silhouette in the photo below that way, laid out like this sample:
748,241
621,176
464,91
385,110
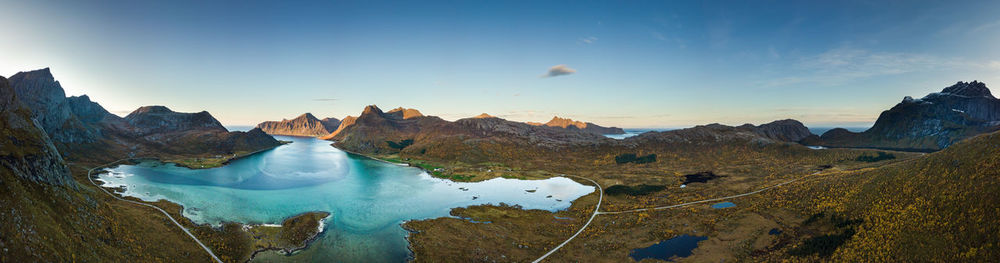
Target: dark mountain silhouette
926,124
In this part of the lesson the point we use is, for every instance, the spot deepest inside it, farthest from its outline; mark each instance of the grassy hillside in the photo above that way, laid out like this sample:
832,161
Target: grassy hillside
941,207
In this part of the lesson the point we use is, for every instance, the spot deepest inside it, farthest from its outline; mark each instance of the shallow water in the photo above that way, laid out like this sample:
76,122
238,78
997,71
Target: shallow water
368,198
679,246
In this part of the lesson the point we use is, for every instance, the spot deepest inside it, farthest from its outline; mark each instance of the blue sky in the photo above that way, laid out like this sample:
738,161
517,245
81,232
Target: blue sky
635,63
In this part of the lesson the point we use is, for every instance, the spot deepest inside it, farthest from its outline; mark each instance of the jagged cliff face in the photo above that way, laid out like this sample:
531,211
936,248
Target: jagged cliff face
303,125
584,126
43,95
27,151
930,123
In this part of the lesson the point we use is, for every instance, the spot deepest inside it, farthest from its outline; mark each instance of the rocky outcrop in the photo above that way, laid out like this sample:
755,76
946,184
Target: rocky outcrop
927,124
27,151
584,126
303,125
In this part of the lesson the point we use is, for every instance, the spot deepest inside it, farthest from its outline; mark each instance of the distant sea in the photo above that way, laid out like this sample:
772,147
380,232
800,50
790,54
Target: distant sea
239,127
633,132
821,130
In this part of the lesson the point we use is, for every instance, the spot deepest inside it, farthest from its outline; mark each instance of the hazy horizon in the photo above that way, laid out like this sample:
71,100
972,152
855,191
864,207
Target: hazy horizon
631,65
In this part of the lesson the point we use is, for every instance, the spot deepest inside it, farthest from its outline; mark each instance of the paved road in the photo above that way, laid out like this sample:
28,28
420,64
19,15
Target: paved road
596,211
91,179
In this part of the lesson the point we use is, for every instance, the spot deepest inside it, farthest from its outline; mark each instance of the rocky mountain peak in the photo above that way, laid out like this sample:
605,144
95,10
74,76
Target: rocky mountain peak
44,96
565,122
372,109
405,113
40,74
306,116
151,109
969,89
484,116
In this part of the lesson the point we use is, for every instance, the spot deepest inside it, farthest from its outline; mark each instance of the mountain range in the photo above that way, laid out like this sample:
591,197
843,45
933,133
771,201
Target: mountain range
82,129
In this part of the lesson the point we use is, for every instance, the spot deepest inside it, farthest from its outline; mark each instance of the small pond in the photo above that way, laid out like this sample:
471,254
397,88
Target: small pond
723,205
677,247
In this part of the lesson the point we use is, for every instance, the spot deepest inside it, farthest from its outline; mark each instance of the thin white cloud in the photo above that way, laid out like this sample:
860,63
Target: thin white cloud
844,64
559,70
986,26
587,40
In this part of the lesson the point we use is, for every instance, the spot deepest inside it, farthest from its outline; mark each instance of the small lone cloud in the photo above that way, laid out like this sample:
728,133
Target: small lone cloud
587,40
559,70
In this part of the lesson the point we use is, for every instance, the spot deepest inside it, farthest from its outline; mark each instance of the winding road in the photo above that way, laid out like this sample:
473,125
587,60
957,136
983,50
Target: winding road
91,179
596,212
601,198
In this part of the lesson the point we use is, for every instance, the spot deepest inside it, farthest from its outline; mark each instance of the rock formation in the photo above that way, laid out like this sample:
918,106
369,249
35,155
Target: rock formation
303,125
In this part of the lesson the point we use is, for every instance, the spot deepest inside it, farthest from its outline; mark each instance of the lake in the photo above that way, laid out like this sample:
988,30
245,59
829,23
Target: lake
369,199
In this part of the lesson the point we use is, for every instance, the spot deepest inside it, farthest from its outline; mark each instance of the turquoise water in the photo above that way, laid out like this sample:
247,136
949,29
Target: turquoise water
369,199
723,205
